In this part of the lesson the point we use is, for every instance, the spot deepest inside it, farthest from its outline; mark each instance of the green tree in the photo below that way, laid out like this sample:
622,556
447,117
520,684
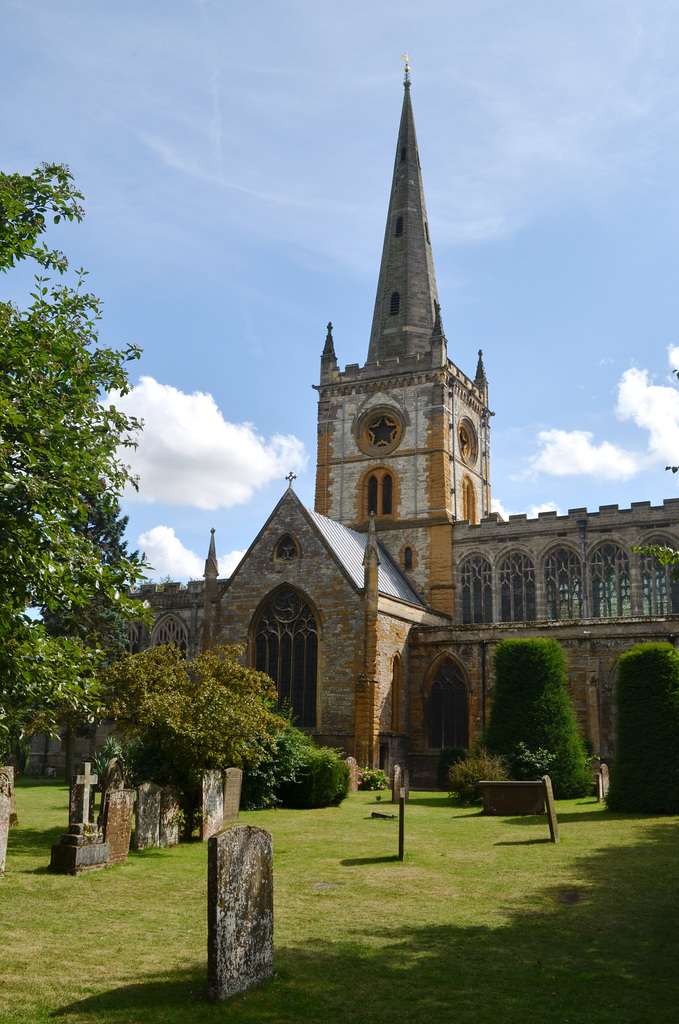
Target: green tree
208,713
531,706
645,772
59,441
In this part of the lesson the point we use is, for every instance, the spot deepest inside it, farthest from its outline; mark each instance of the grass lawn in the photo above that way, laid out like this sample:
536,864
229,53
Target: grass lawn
485,920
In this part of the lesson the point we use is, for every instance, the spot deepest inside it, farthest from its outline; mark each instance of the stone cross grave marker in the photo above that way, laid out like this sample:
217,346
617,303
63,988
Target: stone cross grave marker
168,831
213,804
352,765
6,790
147,816
240,910
118,807
81,848
233,781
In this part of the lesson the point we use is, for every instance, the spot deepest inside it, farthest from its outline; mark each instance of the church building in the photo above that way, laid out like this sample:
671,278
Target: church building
377,612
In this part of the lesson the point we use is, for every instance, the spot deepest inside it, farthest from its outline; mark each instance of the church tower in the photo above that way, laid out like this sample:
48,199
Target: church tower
406,436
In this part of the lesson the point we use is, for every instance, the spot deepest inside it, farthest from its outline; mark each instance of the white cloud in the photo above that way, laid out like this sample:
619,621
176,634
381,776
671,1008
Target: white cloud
565,453
532,511
653,407
189,454
168,556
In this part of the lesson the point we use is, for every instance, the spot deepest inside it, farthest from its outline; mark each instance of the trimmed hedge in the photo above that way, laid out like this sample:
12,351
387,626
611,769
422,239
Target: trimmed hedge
645,772
531,705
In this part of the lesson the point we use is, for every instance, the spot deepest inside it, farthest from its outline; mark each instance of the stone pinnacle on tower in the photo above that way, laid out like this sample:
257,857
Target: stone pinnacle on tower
406,291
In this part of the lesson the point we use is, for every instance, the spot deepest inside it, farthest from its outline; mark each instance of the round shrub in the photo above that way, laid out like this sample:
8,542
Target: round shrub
531,705
448,757
322,781
645,771
465,775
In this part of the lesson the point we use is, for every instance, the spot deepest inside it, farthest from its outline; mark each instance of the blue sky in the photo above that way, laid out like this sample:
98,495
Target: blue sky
236,161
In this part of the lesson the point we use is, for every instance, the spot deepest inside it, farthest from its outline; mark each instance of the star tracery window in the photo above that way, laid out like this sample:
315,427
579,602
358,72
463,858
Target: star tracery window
383,431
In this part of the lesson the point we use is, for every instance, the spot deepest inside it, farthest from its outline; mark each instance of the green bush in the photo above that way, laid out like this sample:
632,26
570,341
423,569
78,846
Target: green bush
531,705
529,765
645,771
323,780
448,757
464,776
262,782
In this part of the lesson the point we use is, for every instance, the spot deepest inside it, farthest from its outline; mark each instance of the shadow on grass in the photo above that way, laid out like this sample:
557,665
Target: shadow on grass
601,950
357,861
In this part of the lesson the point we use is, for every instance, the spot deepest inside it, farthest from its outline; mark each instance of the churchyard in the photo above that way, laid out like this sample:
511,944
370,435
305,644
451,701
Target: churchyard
484,920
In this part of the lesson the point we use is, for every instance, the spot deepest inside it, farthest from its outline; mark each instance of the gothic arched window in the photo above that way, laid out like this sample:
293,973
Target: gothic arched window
387,494
563,583
408,558
395,304
659,589
447,708
286,549
517,589
286,648
477,590
372,496
170,630
609,569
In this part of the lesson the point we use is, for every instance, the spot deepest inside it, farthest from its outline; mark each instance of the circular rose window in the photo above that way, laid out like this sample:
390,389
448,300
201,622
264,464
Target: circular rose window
466,439
379,431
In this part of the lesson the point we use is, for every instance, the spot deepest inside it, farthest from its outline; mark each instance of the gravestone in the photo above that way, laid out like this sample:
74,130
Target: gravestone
599,782
551,809
147,816
6,791
240,911
118,807
50,772
212,804
399,781
13,816
82,848
233,781
168,830
113,779
605,779
352,765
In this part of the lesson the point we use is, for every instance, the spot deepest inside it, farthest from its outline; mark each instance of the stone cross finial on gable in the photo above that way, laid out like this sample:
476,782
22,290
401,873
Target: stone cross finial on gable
290,477
86,779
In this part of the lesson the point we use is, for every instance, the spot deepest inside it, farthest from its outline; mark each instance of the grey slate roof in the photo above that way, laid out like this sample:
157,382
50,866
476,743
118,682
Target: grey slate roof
348,547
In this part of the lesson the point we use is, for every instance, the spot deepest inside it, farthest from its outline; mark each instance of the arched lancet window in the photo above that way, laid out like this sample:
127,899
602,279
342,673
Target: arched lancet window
387,494
372,495
447,708
408,558
133,638
517,589
468,501
286,648
170,630
477,590
286,549
399,226
609,569
659,589
395,304
563,583
396,694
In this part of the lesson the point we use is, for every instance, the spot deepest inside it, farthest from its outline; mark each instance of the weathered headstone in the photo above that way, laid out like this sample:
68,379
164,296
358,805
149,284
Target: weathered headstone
118,823
352,765
168,832
112,779
551,809
605,779
599,782
147,816
212,810
50,772
13,816
233,781
240,911
6,790
82,848
399,781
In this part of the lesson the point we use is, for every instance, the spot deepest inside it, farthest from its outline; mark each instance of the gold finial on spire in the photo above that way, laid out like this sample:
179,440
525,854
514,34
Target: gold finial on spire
406,76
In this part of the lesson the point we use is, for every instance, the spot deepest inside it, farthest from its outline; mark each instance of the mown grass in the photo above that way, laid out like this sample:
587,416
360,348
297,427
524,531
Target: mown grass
485,920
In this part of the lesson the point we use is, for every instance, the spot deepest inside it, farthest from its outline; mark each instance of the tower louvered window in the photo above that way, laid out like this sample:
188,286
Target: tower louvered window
517,589
563,584
395,304
399,226
286,648
659,589
477,590
447,708
609,570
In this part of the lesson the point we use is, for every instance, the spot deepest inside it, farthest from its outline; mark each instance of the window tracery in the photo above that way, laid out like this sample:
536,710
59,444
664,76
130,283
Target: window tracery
563,584
447,708
286,648
286,549
609,570
517,588
477,590
170,630
379,493
659,589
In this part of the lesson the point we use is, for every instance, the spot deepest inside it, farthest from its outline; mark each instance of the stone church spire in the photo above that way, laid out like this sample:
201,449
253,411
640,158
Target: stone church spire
406,291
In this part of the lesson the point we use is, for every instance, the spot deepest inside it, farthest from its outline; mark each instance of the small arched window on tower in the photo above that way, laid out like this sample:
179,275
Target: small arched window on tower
408,558
403,154
387,494
399,226
372,496
395,304
469,501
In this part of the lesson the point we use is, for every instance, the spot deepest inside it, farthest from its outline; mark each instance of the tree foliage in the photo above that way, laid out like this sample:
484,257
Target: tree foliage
208,713
59,441
645,772
531,705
